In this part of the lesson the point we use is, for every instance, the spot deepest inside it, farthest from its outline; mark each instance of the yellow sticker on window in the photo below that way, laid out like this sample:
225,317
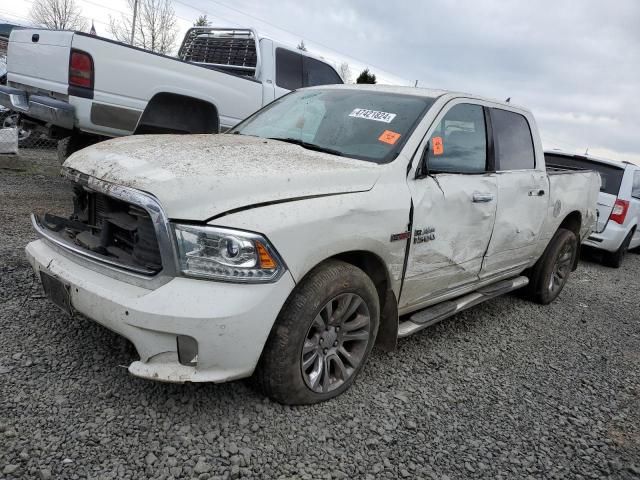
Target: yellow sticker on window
437,146
389,137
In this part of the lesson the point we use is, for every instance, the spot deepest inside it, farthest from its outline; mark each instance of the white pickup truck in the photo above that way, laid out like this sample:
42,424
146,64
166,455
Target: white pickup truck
334,219
85,87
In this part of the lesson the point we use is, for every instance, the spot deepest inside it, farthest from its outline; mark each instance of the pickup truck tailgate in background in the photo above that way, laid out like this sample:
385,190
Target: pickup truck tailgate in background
40,59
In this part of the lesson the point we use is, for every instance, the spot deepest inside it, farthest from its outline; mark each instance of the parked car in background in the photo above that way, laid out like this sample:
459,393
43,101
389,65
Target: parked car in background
618,203
85,88
335,218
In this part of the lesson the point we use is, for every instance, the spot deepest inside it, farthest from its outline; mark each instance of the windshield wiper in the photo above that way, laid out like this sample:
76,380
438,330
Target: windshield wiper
309,146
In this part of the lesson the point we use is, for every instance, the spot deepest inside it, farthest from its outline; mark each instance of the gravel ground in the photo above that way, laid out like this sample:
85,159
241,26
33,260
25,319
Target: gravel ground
507,390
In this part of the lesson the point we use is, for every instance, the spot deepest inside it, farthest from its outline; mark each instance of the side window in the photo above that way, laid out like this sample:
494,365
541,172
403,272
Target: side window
635,189
288,69
513,141
459,143
319,73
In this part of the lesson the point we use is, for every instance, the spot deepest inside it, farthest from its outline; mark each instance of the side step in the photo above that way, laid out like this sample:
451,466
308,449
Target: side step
436,313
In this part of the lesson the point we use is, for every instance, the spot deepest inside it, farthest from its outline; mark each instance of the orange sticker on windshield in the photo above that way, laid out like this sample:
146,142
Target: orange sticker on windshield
437,145
389,137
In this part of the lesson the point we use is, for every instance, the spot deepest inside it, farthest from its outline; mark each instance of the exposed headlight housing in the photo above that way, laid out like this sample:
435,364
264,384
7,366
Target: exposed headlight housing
226,254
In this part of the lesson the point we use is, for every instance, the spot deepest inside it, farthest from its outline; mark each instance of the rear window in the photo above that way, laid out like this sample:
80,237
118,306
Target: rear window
318,73
611,176
635,188
513,141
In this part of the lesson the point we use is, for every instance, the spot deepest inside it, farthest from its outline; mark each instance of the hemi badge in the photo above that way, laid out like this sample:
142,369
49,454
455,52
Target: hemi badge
400,236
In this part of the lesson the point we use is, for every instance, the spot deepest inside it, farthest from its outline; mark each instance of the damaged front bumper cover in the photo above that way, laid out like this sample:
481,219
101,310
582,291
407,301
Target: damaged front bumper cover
230,322
46,109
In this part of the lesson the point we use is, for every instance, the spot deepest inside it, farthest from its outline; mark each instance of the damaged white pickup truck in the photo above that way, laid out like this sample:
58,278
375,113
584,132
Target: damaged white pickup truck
333,219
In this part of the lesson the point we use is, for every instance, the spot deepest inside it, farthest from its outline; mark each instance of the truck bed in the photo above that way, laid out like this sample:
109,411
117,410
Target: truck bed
126,79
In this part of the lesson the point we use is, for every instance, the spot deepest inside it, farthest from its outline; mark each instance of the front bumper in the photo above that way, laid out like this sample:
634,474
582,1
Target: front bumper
40,107
230,322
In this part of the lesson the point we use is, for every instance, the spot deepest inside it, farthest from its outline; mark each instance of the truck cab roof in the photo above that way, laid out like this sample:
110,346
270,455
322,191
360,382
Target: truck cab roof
423,92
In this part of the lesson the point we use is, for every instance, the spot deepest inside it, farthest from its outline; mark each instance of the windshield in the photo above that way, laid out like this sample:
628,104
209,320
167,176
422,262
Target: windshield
360,124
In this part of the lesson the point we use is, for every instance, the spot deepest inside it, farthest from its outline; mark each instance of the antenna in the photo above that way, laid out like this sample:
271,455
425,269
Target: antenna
586,152
416,84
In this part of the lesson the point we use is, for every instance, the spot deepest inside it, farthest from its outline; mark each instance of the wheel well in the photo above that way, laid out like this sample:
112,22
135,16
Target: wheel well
173,113
573,222
376,269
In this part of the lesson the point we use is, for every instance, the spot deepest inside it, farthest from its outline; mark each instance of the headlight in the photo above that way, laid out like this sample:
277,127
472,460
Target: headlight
225,254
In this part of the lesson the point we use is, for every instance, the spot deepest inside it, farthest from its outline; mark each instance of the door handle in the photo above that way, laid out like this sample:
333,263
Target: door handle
536,193
482,197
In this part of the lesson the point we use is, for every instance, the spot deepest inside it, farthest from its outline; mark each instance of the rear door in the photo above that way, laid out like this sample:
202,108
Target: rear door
610,175
40,59
522,194
454,206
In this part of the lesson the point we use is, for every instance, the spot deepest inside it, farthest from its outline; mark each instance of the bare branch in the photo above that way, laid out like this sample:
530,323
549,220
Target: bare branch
58,15
155,27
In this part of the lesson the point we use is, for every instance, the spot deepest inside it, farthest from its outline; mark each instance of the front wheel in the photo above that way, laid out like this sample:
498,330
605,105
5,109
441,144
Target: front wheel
322,337
550,273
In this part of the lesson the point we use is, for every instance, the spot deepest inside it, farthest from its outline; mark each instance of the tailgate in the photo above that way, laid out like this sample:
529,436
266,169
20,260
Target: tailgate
40,59
605,206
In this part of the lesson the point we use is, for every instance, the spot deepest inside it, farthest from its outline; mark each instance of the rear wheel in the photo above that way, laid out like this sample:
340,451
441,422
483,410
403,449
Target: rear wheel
322,337
75,142
614,259
550,273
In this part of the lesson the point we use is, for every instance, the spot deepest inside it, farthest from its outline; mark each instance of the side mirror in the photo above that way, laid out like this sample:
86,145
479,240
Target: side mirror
422,169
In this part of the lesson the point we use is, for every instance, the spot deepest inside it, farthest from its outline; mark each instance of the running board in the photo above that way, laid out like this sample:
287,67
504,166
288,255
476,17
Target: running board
432,315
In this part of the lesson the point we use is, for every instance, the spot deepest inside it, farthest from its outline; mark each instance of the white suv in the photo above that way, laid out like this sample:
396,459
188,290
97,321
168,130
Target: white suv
618,204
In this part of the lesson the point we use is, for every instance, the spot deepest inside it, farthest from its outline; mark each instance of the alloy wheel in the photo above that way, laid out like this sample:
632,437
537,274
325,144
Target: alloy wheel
336,343
561,268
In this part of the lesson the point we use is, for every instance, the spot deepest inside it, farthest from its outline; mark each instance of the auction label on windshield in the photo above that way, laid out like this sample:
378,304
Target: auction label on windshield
373,115
389,137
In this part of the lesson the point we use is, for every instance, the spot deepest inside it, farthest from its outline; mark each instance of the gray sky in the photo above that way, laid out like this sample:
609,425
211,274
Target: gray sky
576,64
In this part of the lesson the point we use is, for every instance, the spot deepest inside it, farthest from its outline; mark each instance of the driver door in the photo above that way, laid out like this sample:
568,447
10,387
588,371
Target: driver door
454,206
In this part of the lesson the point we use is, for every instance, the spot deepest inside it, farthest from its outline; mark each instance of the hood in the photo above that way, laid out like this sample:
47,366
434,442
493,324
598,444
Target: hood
196,177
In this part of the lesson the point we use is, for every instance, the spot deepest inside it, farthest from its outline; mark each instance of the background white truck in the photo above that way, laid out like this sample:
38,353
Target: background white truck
86,88
335,218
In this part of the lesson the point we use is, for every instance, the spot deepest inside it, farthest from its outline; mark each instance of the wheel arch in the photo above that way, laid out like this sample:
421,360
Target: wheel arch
573,222
377,271
168,112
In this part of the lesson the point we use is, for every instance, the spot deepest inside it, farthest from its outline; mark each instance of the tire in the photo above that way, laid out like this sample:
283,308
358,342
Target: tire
614,259
72,144
551,272
316,314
